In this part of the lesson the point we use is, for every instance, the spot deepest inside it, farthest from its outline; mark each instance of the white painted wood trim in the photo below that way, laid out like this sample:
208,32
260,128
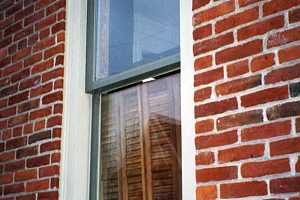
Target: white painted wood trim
187,102
74,179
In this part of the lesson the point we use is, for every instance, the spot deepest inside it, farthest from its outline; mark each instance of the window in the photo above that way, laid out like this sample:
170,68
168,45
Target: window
133,74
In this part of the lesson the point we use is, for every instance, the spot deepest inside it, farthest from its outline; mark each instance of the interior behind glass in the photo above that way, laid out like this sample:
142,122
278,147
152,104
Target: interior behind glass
141,142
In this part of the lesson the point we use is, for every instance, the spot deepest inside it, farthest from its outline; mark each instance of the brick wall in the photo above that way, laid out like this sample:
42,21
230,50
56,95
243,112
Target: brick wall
31,82
247,98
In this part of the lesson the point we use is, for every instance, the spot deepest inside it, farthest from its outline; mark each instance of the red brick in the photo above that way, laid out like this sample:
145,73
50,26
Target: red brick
48,195
288,54
284,110
34,58
266,131
14,166
15,143
12,69
7,156
206,193
275,6
21,54
237,19
58,84
45,22
238,68
26,197
261,27
55,158
34,17
50,146
58,108
298,165
54,183
208,77
52,97
56,73
15,188
46,43
283,74
238,85
54,51
200,3
9,90
240,119
18,98
41,90
202,32
56,6
43,112
54,121
287,146
214,12
26,174
58,27
284,37
216,107
31,82
42,66
59,60
38,161
204,126
40,125
262,62
238,52
241,153
203,62
265,96
216,174
6,178
13,28
205,158
49,171
298,125
45,33
243,189
14,9
19,119
243,3
202,94
221,139
27,151
44,135
26,106
258,169
285,185
294,16
28,128
23,33
8,112
213,44
37,185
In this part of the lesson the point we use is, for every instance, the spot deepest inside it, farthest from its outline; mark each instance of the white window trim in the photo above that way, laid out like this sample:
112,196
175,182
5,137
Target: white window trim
74,179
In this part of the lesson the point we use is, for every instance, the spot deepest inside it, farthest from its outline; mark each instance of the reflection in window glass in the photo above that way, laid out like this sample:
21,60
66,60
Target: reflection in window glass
141,142
135,32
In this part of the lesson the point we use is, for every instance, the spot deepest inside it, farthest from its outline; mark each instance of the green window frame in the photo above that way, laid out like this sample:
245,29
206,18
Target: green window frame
98,87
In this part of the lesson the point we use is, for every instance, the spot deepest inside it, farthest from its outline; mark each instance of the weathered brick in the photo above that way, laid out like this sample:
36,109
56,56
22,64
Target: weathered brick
285,185
283,74
238,52
241,153
261,27
243,189
265,96
266,131
216,107
238,68
213,44
286,146
206,193
208,77
216,174
284,37
262,62
240,119
275,6
204,126
221,139
237,19
284,110
214,12
202,94
288,54
205,158
257,169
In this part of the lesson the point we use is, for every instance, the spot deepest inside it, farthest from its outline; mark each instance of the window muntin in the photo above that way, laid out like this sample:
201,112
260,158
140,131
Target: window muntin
132,33
140,142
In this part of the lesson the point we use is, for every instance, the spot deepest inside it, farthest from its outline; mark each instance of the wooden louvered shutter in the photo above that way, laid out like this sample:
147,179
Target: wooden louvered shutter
140,142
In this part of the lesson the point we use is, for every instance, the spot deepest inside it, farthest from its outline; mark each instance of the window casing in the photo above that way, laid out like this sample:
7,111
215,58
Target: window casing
99,84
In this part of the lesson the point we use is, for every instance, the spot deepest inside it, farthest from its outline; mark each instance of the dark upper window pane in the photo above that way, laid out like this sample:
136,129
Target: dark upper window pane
135,32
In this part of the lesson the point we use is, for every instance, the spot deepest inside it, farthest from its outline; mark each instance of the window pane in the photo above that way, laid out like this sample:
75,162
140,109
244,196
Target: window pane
141,142
135,32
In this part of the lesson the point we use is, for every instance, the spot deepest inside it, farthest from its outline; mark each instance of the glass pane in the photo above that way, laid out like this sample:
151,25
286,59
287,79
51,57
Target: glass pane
135,32
141,142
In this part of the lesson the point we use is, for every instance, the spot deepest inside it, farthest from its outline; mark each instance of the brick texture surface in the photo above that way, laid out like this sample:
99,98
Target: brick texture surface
31,76
247,99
